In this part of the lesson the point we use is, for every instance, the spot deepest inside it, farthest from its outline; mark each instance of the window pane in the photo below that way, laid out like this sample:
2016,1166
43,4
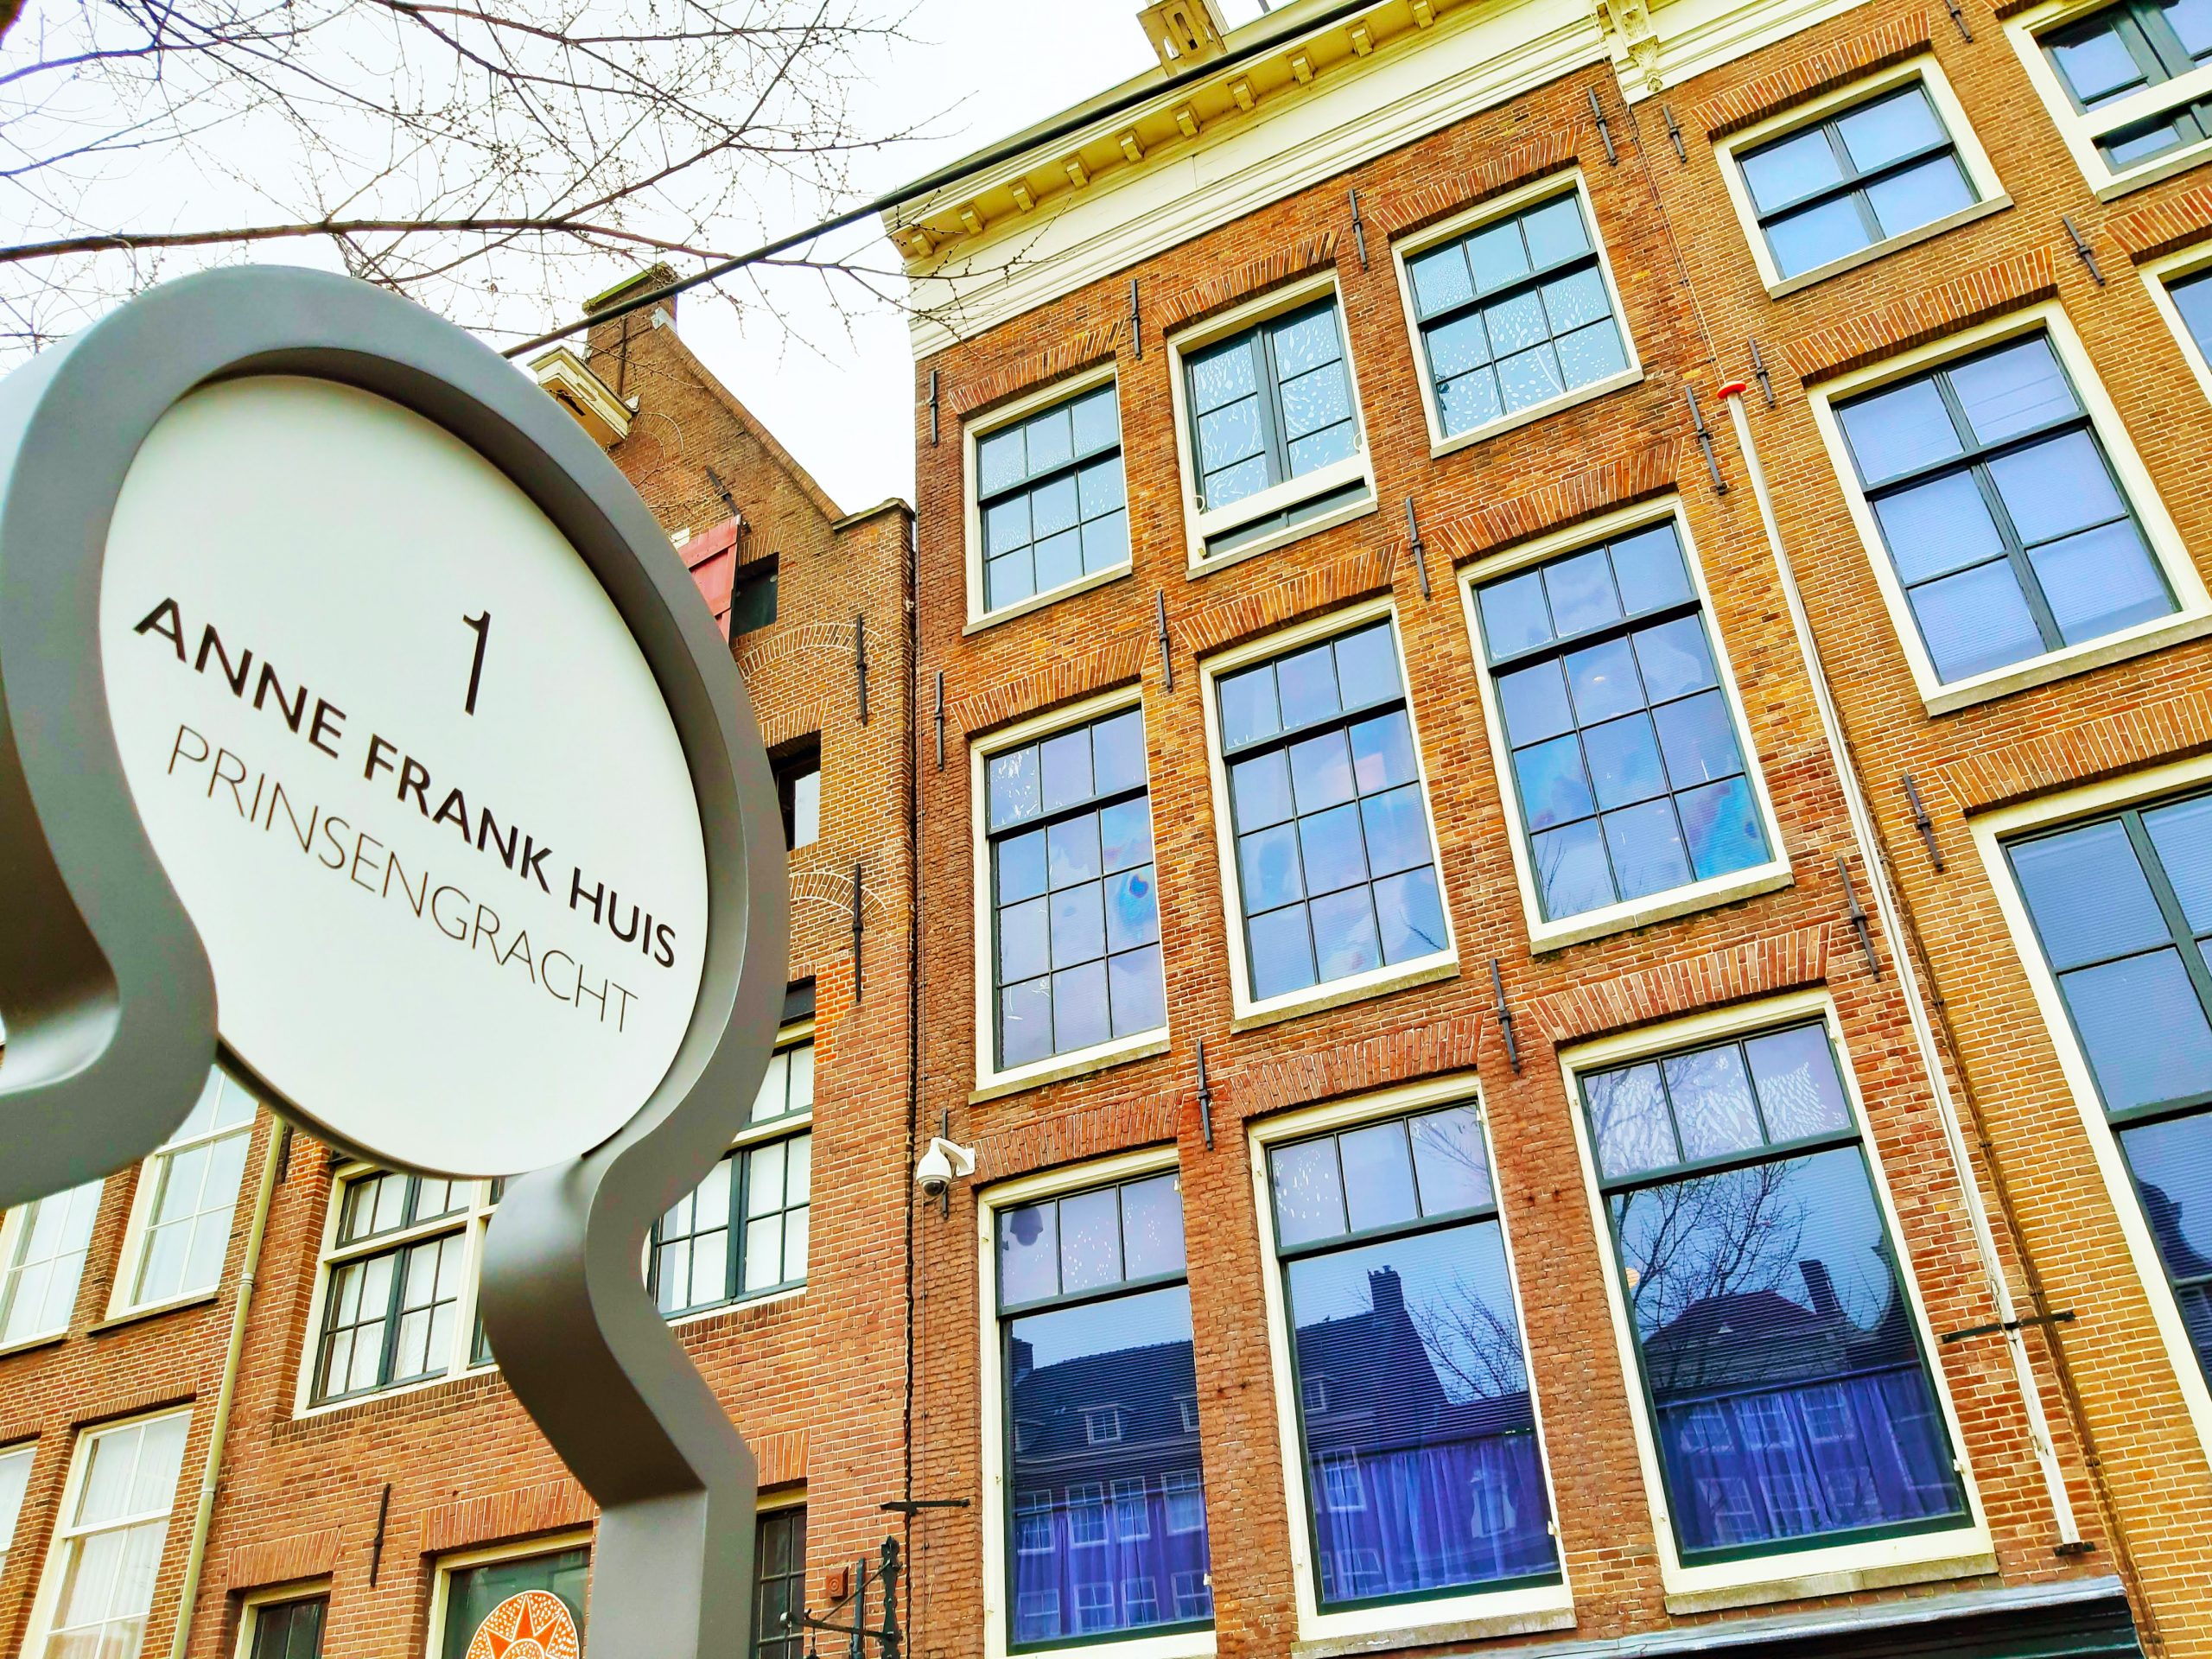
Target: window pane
2172,1165
2144,1027
1029,1254
1572,873
541,1594
1711,1095
1892,433
1674,658
1919,195
1410,913
1630,1121
1378,1175
2088,895
2094,60
1807,240
2193,299
1450,1161
1580,588
1936,528
1441,280
1799,1092
1976,621
1308,1192
2013,390
1888,130
2100,581
1514,616
1797,167
1281,953
1645,843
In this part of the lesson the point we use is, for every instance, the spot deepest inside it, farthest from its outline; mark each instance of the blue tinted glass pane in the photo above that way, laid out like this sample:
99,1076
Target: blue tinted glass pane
1398,833
1078,925
1799,1092
1450,1161
1050,443
1248,707
2172,1165
1097,423
1535,703
1555,232
1012,787
1515,324
2191,22
1919,195
1367,666
1052,508
1422,1471
1330,444
1440,280
1222,374
1305,342
1152,1226
1528,378
2013,390
2088,893
1629,1121
1791,1397
1721,823
1457,346
1976,621
1072,851
1497,256
1649,568
1572,873
1582,592
1332,850
1411,915
1894,432
1383,752
1021,866
2193,299
1889,128
1699,738
1132,910
1309,1193
1125,834
1136,991
1315,400
1344,937
1514,618
998,462
1574,300
1026,1022
1321,771
1229,435
1080,1013
1471,401
1711,1093
1260,789
1378,1175
1106,542
1282,953
1591,354
1029,1254
1010,580
1024,948
1604,681
1059,559
1674,658
2141,143
1812,237
1117,753
1267,862
2055,487
1623,757
2182,834
1554,788
1779,174
1064,762
2095,62
1646,844
1090,1240
2100,581
1232,484
1109,1499
1938,527
2144,1028
1307,683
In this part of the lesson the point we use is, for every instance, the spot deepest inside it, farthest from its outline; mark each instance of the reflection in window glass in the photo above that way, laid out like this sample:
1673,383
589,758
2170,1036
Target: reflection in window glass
110,1542
1792,1402
2122,50
780,1571
1107,1529
1627,763
289,1630
743,1231
2001,512
1422,1471
39,1280
194,1179
2192,297
1049,489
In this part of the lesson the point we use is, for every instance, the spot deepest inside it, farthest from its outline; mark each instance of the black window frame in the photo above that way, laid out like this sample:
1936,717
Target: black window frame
396,1308
776,1523
790,764
748,610
276,1627
2157,51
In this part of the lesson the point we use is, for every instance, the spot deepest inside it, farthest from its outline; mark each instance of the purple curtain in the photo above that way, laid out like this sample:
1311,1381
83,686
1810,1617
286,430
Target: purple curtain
1118,1554
1461,1512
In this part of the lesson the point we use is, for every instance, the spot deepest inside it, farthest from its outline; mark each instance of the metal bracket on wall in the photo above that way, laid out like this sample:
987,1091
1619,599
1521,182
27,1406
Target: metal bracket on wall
860,662
2082,251
2005,1327
1167,646
1359,230
1705,443
859,926
933,407
1674,132
1760,374
1605,130
1922,822
728,500
1136,321
1857,914
1205,1097
1504,1012
1959,17
376,1544
1420,548
940,720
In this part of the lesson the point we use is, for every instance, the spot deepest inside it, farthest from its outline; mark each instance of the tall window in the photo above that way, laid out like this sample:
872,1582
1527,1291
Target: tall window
1269,406
108,1548
1335,868
2192,297
1075,916
14,1480
194,1183
46,1241
780,1571
1861,177
753,597
2114,54
1108,1532
1781,1357
1627,763
798,794
1514,314
2123,908
289,1630
1422,1470
399,1299
533,1599
1050,492
743,1231
2004,517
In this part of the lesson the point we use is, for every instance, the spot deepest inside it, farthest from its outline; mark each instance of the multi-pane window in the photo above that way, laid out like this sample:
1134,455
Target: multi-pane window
2123,908
2118,52
2003,516
108,1548
398,1277
1423,1474
779,1574
195,1184
46,1241
1626,760
289,1630
2192,298
1859,178
1048,490
15,1479
1268,405
743,1231
1075,913
1789,1394
1108,1536
534,1603
1514,314
1335,868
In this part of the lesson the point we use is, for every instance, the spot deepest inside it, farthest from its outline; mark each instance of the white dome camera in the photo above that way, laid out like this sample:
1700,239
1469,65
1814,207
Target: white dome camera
945,1162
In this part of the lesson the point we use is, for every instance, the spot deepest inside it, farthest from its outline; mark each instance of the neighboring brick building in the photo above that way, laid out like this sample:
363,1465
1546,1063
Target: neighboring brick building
380,1490
1266,459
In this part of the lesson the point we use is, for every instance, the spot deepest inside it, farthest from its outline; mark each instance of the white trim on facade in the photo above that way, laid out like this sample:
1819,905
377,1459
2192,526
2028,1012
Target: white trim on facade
2158,275
460,1561
2080,130
54,1571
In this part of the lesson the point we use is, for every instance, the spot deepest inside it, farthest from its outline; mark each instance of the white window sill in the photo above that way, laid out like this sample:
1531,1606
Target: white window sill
1867,255
1707,894
1458,1619
2137,641
1190,1644
1202,566
331,1409
1631,376
123,1316
1848,1569
1083,1061
2111,186
31,1344
743,1304
1037,602
1378,982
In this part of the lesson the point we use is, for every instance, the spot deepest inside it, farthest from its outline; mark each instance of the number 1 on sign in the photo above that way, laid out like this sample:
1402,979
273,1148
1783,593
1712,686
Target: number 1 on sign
481,626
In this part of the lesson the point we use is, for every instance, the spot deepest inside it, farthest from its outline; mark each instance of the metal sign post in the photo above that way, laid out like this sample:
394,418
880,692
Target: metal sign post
356,721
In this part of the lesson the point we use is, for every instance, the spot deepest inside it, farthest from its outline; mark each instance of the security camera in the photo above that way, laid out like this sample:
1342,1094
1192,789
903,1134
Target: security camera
945,1162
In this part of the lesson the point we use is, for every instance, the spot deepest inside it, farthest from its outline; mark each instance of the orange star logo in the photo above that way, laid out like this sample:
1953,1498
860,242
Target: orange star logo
534,1624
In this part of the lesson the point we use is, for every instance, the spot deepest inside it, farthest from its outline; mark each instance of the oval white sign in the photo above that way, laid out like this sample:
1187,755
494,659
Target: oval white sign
409,774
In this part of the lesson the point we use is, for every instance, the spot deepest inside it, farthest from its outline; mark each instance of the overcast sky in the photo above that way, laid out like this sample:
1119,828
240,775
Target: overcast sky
845,408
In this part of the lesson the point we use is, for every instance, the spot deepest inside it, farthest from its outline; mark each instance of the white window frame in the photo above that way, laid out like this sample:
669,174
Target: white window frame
39,1630
1924,71
1469,1616
461,1560
2193,618
2081,131
1375,981
2159,275
472,1224
1357,468
1560,932
1415,243
992,1081
11,1233
1792,1574
1991,831
26,1452
998,1617
257,1602
122,1295
1012,414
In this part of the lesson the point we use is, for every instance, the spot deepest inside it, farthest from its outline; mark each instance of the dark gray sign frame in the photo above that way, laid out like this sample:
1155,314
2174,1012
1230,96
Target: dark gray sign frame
106,985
